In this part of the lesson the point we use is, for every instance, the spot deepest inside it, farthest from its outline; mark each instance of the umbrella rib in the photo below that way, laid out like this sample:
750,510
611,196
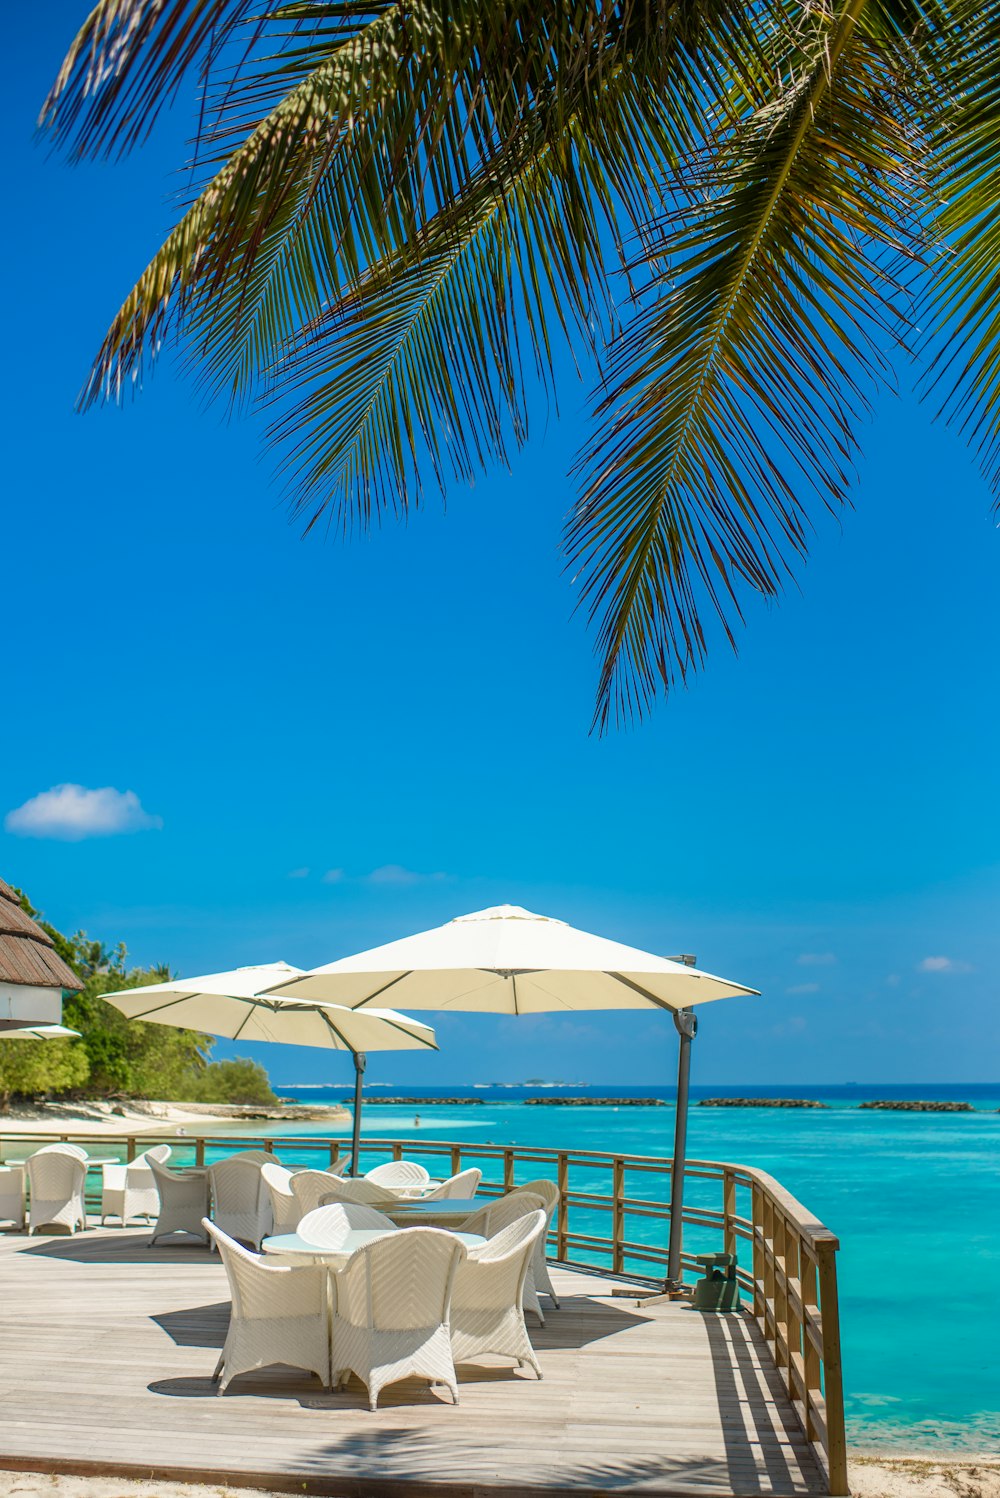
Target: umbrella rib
334,1031
385,986
244,1022
171,1003
638,988
431,1045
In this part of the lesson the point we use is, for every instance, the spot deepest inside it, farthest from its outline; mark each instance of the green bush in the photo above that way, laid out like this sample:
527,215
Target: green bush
236,1081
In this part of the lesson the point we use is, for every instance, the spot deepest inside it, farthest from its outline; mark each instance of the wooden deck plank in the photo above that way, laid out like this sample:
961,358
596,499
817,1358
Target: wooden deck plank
108,1350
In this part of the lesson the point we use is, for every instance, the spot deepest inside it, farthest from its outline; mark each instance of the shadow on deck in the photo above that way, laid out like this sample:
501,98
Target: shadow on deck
114,1345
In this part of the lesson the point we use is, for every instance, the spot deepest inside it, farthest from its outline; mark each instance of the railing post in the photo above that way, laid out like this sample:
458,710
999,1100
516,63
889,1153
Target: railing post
793,1270
199,1152
757,1219
508,1170
456,1159
618,1214
782,1351
397,1149
130,1150
728,1212
562,1214
810,1356
767,1225
334,1151
833,1377
269,1146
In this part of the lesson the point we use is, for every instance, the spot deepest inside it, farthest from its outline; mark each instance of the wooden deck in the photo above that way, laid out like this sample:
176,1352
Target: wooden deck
108,1347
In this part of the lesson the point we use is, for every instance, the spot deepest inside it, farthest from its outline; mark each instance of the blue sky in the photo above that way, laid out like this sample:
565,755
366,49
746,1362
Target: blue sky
817,818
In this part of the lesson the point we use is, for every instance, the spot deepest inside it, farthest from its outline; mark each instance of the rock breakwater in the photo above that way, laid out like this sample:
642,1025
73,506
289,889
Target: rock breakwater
914,1105
759,1102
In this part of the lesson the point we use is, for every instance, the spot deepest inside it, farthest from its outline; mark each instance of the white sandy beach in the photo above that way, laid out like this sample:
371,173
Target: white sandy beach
150,1117
871,1477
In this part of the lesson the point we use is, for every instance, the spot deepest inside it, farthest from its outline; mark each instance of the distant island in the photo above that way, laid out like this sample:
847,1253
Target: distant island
420,1102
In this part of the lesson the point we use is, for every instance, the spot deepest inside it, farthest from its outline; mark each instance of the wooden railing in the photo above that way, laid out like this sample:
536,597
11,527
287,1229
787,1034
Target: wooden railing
789,1259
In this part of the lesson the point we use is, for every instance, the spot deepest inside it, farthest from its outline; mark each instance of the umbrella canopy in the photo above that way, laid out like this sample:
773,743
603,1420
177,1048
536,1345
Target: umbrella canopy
231,1005
506,960
37,1032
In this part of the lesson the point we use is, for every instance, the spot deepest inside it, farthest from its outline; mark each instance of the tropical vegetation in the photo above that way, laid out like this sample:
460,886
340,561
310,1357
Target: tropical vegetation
117,1057
746,217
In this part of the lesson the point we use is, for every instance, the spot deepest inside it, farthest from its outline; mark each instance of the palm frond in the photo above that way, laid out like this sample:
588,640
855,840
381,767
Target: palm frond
735,393
961,307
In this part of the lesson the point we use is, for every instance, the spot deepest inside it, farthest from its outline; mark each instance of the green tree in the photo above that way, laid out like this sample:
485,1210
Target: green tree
743,212
236,1081
117,1056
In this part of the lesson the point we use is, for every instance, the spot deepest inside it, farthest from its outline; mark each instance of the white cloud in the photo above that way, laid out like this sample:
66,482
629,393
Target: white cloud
298,873
333,876
943,965
803,988
72,812
394,873
816,959
794,1025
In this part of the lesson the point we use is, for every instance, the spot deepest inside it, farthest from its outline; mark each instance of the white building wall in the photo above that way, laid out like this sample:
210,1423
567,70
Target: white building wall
43,1006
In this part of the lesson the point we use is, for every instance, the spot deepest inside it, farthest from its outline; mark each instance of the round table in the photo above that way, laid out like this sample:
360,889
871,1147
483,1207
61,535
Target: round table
443,1212
291,1246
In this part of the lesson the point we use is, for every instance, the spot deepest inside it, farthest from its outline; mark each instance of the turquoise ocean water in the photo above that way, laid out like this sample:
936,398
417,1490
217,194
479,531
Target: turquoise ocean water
913,1197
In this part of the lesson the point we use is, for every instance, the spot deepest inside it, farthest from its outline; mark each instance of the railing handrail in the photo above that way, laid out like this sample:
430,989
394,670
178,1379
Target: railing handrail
805,1222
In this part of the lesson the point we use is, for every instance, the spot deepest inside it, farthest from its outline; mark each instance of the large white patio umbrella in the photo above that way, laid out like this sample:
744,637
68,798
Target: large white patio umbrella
506,960
232,1005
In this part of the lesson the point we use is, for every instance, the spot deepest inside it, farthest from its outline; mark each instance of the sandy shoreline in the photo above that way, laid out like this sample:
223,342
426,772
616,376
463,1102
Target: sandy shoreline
142,1116
871,1477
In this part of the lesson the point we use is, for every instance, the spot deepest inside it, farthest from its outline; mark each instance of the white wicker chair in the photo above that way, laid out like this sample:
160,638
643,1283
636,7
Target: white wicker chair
539,1279
76,1150
285,1210
311,1188
501,1212
130,1190
326,1227
56,1179
241,1206
487,1314
391,1305
183,1201
464,1185
398,1174
279,1314
359,1189
12,1179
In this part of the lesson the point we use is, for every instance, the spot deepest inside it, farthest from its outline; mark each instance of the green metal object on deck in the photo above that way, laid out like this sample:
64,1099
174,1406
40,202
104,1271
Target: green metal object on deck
719,1290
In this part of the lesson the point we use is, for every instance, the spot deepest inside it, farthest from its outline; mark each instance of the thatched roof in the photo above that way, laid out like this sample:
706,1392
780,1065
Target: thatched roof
27,955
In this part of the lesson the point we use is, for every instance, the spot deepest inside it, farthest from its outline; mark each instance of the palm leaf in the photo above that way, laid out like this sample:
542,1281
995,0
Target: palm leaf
735,392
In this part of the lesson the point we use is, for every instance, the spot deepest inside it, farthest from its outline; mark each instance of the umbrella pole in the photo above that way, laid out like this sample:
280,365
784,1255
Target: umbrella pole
686,1025
687,1028
360,1062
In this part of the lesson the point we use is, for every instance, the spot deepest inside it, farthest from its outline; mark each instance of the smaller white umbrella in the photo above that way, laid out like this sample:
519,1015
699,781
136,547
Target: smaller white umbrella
232,1005
38,1032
